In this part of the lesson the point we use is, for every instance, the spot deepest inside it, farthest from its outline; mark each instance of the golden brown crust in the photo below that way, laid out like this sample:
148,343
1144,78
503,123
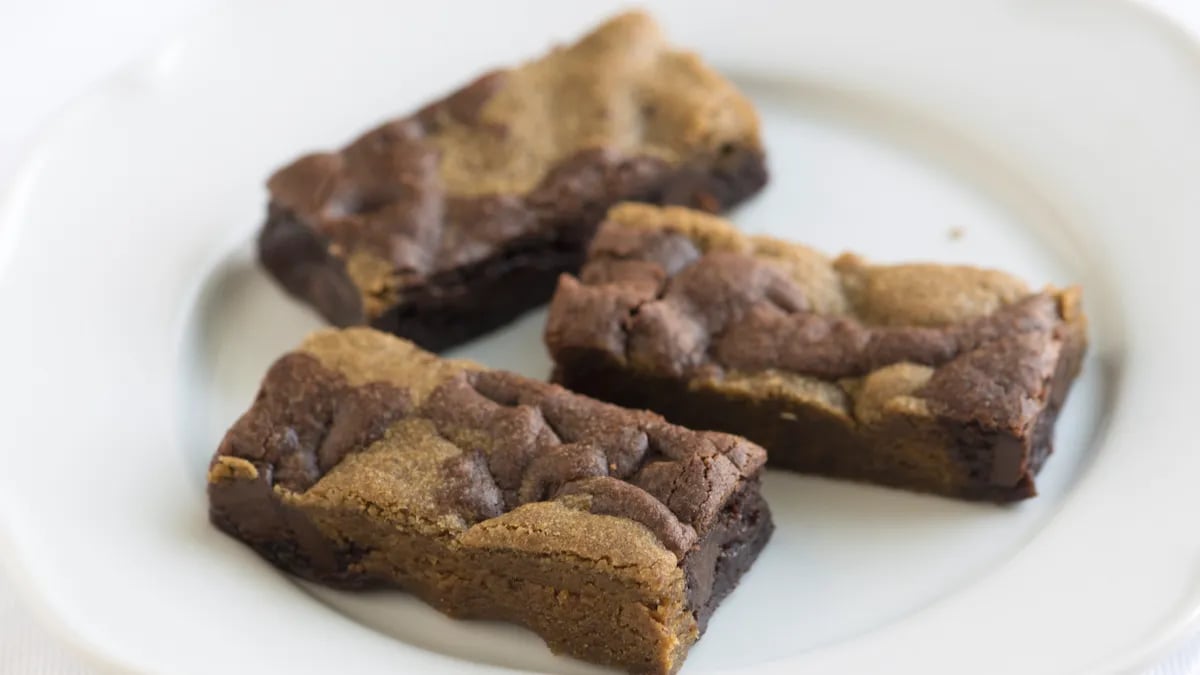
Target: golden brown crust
619,87
363,355
924,294
915,294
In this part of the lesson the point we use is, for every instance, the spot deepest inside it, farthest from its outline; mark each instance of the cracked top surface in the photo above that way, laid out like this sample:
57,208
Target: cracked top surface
362,419
446,185
682,294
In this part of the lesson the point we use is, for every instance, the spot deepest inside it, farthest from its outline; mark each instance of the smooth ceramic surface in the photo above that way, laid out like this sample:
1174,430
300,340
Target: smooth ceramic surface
138,327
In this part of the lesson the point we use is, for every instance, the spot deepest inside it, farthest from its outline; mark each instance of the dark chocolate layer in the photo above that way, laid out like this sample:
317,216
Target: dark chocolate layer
714,568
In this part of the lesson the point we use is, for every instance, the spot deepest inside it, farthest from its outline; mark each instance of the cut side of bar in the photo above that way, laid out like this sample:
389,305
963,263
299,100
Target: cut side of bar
365,461
934,378
450,222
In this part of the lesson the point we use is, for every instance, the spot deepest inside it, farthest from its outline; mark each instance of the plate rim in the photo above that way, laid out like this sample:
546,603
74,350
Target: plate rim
12,203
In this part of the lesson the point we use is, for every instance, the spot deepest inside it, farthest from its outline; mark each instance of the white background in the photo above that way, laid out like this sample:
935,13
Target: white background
54,50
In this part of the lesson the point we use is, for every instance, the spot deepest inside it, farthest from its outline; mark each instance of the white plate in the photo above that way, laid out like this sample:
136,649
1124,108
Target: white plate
1060,138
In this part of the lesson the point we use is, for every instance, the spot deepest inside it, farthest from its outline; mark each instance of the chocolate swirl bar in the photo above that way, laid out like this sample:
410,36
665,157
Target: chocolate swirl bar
450,222
934,378
614,535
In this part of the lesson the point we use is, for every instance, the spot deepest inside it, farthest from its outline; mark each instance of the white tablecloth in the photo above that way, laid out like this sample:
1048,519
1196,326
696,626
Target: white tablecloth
52,51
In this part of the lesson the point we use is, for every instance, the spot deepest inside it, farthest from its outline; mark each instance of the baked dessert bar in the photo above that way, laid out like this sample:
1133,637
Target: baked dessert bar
614,535
934,378
450,222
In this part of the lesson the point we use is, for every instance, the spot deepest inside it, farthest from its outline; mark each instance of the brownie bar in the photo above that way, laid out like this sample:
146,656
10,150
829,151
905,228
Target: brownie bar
614,535
934,378
448,223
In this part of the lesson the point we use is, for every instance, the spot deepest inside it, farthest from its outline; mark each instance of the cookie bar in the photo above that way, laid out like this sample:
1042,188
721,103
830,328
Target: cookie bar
450,222
614,535
934,378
